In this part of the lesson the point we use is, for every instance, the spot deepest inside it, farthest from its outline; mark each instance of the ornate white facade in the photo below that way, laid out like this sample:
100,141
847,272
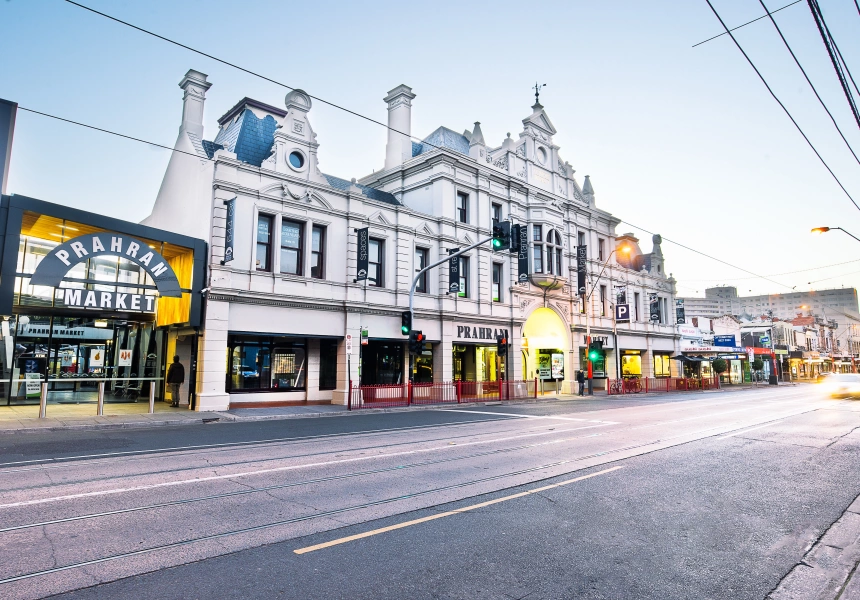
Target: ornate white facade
430,196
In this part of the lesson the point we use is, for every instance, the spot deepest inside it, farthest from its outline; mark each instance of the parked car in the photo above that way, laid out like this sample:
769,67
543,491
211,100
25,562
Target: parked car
841,385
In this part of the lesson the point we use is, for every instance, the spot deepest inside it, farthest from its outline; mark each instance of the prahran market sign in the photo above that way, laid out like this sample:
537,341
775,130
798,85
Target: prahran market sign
55,266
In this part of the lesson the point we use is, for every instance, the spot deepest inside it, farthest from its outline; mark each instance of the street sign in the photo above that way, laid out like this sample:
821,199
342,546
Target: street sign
765,339
622,312
348,343
364,338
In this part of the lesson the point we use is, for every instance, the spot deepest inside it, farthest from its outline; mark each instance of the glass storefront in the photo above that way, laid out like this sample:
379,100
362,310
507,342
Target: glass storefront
662,365
382,363
266,364
631,363
477,363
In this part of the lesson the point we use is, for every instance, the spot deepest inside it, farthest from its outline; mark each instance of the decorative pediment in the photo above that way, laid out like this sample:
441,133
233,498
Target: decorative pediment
468,240
425,229
378,217
539,120
316,198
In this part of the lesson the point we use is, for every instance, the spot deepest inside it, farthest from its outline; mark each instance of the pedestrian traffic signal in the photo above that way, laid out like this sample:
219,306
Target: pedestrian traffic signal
502,235
416,342
405,322
501,345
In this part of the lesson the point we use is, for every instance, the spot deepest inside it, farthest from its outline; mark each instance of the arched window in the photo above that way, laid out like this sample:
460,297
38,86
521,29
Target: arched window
553,252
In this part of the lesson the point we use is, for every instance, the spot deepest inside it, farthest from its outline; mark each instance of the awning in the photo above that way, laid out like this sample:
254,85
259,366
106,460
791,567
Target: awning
692,359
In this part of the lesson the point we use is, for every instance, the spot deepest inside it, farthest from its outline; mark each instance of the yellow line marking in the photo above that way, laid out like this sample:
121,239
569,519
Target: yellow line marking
359,536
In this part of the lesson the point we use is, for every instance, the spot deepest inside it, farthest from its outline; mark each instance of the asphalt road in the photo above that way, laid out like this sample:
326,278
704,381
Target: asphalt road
696,496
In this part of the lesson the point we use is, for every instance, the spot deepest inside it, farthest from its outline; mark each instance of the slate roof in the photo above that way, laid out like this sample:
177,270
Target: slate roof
373,194
442,138
248,137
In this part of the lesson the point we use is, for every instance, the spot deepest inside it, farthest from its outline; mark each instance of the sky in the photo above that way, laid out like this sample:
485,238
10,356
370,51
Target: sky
681,141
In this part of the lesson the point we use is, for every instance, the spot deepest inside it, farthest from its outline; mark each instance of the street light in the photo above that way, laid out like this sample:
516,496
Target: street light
826,229
626,249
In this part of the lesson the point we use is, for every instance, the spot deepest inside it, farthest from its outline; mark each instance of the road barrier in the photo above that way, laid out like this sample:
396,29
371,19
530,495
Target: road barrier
447,392
644,385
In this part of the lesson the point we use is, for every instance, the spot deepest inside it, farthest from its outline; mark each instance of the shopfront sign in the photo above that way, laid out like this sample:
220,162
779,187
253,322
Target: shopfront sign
59,261
689,331
229,230
467,332
725,340
711,349
78,298
363,253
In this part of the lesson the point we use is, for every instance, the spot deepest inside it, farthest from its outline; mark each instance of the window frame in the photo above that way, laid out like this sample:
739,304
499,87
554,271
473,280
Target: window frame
495,213
601,248
421,256
266,346
379,281
318,254
299,250
267,245
462,207
496,286
464,277
602,300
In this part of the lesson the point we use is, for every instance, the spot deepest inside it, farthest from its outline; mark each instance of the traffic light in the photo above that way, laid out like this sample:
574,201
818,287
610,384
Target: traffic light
416,342
502,235
595,349
405,322
515,238
501,345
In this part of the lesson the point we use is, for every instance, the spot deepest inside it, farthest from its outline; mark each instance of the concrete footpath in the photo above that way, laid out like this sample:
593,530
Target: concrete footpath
60,417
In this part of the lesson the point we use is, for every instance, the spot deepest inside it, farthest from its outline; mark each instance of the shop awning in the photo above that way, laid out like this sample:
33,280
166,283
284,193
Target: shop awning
692,359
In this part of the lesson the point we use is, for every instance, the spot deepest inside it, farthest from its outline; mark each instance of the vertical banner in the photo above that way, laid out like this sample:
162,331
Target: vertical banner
453,273
230,228
523,254
680,313
654,307
363,253
581,268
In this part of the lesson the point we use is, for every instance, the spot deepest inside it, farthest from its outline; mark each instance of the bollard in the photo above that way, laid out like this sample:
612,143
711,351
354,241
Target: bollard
43,401
151,397
100,407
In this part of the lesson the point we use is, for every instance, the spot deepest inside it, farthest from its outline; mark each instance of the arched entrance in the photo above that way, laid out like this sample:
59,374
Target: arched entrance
545,347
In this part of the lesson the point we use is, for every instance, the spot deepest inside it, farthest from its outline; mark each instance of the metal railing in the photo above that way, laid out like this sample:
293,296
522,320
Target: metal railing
125,386
447,392
638,385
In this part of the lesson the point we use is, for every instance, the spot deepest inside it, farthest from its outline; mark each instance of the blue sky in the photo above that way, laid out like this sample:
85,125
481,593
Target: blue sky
679,140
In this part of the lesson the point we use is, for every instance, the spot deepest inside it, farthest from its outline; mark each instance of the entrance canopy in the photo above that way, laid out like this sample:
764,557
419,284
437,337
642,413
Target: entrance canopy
545,329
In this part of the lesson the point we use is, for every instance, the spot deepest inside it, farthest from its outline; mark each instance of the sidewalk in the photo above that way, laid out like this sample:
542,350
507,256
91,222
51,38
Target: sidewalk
63,417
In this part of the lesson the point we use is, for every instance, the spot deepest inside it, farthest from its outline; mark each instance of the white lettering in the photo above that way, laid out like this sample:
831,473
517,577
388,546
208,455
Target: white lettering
73,297
132,249
135,302
144,260
64,257
120,301
97,245
158,269
150,300
116,244
106,298
79,249
91,300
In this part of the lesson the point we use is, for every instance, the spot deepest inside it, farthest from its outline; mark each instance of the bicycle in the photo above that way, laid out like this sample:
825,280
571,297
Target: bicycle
616,386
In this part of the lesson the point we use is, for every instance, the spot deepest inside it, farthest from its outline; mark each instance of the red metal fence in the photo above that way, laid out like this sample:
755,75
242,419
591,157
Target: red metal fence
448,392
643,385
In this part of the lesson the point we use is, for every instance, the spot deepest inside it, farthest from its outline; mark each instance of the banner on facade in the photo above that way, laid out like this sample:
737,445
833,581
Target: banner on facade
680,313
581,268
363,253
523,254
229,229
454,272
654,307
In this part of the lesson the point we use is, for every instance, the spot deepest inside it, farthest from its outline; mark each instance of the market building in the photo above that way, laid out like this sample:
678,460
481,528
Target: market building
87,299
285,298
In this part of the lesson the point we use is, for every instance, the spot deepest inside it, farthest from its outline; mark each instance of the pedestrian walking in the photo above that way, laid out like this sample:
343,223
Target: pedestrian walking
175,379
580,379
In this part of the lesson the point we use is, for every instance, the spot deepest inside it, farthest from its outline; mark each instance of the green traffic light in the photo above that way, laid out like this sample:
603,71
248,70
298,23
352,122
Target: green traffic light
497,243
404,330
592,355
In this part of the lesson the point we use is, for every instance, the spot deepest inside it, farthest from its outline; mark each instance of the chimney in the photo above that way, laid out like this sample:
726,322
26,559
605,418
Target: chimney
194,85
399,146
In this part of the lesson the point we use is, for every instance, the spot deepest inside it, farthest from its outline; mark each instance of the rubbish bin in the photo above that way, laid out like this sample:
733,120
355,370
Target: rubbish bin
772,380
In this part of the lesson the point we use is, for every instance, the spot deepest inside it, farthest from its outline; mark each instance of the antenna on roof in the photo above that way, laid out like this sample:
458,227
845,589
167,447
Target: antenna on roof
537,89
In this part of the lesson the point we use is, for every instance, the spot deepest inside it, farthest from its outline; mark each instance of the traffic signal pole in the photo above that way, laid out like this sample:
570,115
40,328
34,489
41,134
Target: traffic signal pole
418,277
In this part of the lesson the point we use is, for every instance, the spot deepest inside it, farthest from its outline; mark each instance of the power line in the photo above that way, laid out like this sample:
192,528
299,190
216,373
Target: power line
829,44
847,262
760,76
815,91
747,23
244,70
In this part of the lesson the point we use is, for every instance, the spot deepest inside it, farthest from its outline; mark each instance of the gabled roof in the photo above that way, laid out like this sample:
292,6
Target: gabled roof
442,138
540,119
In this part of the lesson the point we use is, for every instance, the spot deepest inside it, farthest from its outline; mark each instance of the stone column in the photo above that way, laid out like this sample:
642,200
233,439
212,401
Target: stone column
212,358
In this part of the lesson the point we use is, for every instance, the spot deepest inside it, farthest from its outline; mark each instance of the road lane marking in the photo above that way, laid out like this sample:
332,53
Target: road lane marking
457,511
501,414
746,430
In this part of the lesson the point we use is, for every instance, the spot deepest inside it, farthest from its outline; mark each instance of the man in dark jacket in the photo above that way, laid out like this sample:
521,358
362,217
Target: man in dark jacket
175,379
580,379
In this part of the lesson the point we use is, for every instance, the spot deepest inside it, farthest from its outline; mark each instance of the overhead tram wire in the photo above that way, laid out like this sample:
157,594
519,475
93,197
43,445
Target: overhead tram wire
834,59
842,60
764,81
809,81
248,71
747,23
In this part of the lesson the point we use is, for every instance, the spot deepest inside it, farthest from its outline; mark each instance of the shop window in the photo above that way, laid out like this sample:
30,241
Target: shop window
661,365
420,263
496,213
631,365
264,242
462,207
376,263
328,364
318,252
497,282
464,277
291,247
265,364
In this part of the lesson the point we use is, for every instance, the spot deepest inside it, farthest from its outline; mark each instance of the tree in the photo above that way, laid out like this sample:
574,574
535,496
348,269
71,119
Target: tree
757,365
720,366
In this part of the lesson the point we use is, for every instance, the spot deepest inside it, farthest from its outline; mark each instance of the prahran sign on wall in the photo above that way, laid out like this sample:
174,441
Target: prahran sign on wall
54,267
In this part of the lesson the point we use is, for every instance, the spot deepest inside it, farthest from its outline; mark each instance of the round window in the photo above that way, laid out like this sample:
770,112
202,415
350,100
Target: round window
297,160
541,155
